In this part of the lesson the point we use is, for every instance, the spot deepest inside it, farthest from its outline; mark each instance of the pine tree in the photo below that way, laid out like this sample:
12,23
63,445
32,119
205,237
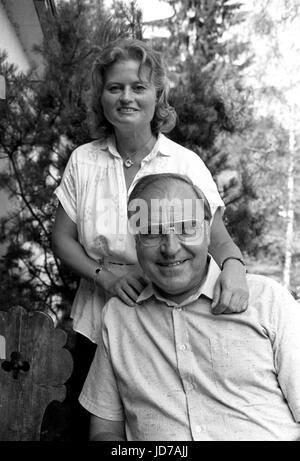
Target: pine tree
40,124
272,28
206,60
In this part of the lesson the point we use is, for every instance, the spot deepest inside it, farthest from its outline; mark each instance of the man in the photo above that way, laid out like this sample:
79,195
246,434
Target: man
168,369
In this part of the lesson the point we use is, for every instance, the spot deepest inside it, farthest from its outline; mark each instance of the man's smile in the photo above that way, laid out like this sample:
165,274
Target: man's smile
172,263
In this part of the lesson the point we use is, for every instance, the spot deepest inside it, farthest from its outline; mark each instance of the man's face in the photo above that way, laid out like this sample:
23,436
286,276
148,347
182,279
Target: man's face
175,263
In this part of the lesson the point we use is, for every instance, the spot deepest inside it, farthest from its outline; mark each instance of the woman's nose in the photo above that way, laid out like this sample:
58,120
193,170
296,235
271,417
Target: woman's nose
126,95
170,244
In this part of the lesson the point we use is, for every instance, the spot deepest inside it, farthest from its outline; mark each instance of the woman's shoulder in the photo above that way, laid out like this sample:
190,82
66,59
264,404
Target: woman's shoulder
173,149
181,156
90,151
184,161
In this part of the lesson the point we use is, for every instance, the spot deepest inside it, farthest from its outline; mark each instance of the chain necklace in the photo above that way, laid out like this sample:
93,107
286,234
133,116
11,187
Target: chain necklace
129,160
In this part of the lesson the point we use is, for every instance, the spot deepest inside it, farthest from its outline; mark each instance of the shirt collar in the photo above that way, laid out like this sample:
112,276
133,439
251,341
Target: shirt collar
205,289
158,148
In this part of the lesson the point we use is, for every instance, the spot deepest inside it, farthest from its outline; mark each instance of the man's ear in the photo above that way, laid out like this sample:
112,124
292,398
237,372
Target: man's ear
136,240
207,231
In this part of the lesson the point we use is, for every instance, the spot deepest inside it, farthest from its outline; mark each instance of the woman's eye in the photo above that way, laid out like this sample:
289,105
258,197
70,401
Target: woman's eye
113,89
139,88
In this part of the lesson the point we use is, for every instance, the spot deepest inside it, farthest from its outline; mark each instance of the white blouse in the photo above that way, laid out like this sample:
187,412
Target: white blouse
93,194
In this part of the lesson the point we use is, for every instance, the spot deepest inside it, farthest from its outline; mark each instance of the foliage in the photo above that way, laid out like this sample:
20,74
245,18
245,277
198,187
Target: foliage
206,65
272,28
41,123
257,158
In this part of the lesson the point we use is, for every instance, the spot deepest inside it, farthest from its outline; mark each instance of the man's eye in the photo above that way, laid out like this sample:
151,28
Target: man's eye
189,231
154,231
189,228
151,236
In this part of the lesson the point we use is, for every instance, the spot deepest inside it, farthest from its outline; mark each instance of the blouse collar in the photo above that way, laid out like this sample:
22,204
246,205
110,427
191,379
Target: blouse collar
158,148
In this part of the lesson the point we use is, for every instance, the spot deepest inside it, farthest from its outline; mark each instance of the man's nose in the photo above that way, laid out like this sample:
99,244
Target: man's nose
126,95
170,244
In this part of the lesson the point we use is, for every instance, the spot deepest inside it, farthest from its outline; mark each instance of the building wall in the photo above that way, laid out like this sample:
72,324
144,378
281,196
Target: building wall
10,42
20,29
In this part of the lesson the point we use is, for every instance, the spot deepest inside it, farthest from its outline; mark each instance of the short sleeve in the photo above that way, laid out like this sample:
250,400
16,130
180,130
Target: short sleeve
287,347
100,395
68,189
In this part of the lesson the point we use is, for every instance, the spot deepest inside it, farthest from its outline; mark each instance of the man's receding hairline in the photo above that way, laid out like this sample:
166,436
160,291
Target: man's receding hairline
161,179
169,183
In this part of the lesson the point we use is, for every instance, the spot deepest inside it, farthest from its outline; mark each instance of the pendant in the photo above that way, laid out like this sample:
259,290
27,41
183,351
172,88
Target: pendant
128,163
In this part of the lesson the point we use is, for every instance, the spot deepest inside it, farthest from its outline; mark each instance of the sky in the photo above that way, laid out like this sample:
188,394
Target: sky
152,9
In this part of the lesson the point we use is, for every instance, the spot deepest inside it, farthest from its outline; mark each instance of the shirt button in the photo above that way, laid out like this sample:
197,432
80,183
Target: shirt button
198,429
183,347
179,309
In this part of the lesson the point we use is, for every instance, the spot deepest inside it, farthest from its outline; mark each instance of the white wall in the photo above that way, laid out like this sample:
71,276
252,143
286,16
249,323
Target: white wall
20,29
11,43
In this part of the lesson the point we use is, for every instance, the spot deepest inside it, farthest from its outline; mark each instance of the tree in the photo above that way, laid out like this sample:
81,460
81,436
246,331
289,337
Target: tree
41,123
272,28
258,152
206,60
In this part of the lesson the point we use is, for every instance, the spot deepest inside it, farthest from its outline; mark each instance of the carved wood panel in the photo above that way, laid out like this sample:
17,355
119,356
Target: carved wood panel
32,374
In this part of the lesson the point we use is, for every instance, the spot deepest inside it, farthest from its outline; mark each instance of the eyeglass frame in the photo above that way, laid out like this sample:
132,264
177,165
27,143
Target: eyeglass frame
184,239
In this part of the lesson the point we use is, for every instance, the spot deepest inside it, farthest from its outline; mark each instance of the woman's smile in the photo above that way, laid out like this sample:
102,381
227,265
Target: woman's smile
127,111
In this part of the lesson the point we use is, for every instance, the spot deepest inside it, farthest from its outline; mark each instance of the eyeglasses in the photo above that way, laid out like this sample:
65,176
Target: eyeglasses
189,232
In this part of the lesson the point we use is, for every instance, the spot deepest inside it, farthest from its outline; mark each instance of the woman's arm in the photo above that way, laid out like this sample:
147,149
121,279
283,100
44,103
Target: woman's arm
105,430
67,248
221,244
231,291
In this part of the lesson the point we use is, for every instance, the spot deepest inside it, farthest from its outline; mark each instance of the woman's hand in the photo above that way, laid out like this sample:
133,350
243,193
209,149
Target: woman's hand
231,292
127,287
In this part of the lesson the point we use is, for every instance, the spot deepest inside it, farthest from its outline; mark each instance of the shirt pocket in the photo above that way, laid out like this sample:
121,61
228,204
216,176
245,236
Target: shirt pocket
241,364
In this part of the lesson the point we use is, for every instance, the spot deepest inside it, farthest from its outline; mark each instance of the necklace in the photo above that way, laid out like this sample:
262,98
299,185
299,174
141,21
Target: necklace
129,160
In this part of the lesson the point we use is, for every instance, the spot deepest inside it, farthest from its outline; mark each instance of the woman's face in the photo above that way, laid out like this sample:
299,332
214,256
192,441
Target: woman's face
129,96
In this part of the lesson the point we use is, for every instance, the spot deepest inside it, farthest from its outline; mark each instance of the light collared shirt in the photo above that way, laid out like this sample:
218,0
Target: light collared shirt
178,372
93,194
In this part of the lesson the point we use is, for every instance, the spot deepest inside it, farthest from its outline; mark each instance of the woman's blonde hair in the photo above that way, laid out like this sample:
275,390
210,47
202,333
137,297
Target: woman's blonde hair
164,118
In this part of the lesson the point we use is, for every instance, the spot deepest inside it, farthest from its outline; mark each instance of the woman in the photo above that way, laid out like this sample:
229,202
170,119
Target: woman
131,113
